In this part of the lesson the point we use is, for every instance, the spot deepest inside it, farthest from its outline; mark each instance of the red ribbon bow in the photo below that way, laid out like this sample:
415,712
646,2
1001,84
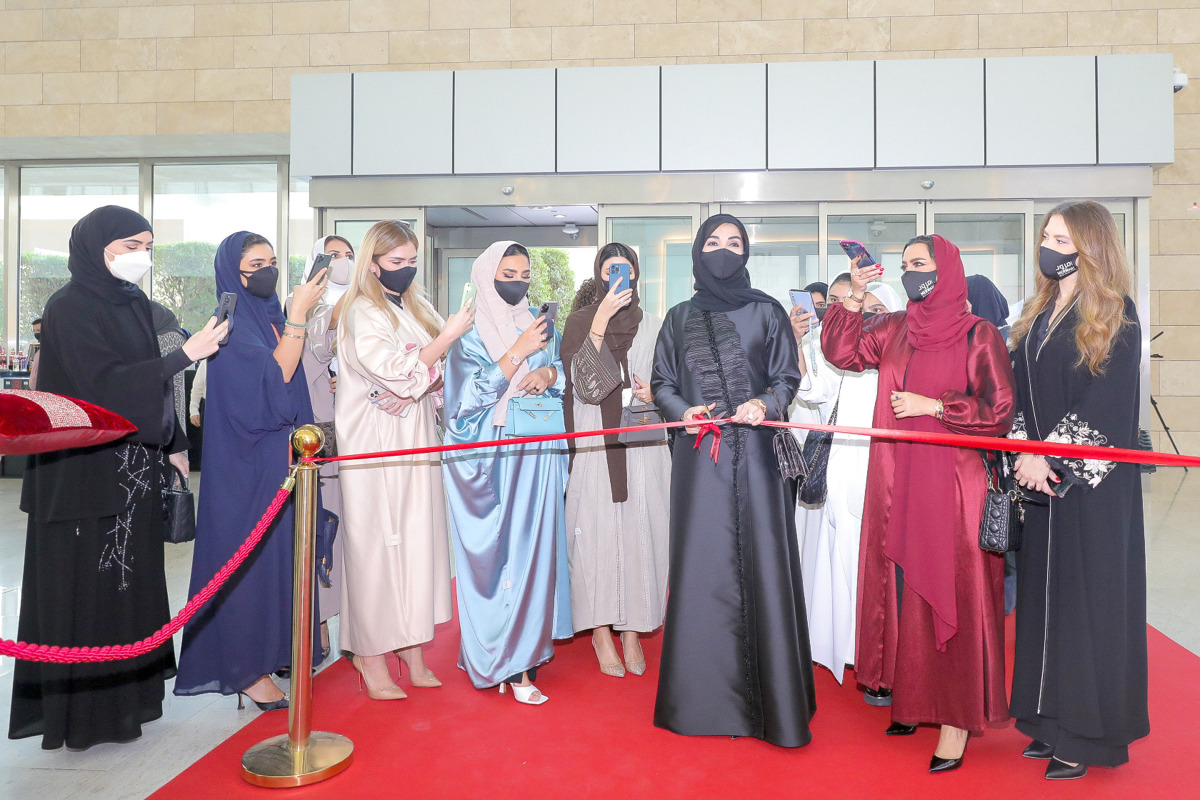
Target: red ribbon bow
715,450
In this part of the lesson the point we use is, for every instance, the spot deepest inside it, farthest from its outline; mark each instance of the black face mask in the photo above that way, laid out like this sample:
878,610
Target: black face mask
511,292
37,336
919,285
397,280
1055,265
722,263
262,283
821,313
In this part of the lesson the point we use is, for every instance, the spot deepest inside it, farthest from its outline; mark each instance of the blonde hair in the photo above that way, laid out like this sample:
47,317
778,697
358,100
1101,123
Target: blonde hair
1103,284
382,238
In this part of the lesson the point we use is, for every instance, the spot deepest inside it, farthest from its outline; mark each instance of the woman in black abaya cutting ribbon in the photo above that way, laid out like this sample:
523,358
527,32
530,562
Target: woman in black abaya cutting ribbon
735,657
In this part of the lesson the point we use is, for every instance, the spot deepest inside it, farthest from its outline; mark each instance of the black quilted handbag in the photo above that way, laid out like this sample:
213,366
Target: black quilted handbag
179,509
1003,522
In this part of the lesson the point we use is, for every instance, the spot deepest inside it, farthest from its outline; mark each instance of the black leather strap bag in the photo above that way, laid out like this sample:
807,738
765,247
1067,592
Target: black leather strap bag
179,509
1003,523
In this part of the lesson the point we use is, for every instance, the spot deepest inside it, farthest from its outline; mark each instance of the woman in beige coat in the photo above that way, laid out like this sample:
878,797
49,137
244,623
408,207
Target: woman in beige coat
391,343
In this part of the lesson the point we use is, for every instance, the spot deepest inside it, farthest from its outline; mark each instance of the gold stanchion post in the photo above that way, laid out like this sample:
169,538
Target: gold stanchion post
301,756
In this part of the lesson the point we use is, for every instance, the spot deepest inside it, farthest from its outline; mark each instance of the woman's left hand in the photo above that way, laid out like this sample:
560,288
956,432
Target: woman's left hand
749,413
180,461
1033,472
391,403
641,391
538,381
910,404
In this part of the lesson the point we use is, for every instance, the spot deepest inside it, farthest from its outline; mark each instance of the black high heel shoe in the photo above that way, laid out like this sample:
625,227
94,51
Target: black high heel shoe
1062,771
274,705
1038,750
900,729
937,764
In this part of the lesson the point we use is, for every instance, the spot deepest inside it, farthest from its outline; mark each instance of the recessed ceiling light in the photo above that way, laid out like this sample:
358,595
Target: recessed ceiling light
542,208
560,216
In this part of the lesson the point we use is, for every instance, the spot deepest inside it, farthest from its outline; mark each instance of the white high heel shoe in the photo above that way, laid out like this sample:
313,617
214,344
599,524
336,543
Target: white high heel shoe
525,694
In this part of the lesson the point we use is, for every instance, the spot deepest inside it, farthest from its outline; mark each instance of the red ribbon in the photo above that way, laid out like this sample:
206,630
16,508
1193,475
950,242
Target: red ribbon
714,451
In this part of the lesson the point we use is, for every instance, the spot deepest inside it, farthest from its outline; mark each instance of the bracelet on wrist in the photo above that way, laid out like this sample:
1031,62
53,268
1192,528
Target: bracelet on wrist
296,324
859,300
293,336
939,409
760,404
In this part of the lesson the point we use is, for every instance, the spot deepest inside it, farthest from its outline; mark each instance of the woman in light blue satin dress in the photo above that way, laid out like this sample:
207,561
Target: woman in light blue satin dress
506,504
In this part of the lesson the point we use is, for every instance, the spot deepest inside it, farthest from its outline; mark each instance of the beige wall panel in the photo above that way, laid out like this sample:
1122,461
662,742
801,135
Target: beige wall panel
1023,30
1091,28
680,39
1177,378
348,49
77,23
847,35
153,23
1179,237
1180,343
1067,5
257,116
761,37
21,26
935,33
1178,26
321,16
1174,201
1168,273
1187,131
1186,168
510,44
604,41
160,86
42,57
22,90
207,52
803,9
271,51
468,14
228,19
979,6
541,13
717,10
892,8
122,55
113,119
623,12
195,118
389,15
41,121
76,87
234,84
1178,308
429,47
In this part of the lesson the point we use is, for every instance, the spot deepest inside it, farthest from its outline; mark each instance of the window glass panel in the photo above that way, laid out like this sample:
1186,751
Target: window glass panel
992,245
883,235
664,248
301,230
195,207
52,201
783,254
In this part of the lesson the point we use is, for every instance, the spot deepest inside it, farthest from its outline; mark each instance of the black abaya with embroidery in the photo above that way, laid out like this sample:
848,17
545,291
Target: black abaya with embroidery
94,549
1079,679
735,658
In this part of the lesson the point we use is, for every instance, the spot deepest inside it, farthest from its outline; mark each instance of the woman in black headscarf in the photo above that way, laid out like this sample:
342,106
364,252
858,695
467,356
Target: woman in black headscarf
94,550
735,658
988,302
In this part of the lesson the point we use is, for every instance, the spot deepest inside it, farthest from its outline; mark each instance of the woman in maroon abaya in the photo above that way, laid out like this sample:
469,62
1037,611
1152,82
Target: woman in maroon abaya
930,602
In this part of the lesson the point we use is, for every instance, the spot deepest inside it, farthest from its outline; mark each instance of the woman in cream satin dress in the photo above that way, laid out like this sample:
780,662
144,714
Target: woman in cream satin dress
391,343
829,533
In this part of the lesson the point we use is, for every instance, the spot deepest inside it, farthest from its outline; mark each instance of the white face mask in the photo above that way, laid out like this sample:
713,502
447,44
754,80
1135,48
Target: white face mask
340,270
130,266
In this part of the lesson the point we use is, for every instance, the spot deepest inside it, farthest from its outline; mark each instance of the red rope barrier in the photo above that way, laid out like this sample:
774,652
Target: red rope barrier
84,655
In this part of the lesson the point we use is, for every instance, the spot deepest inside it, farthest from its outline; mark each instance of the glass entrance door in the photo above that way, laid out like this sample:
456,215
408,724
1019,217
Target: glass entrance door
353,223
662,237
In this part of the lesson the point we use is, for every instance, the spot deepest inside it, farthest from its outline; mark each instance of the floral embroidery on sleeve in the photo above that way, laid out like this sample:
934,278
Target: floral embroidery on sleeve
1072,430
1019,431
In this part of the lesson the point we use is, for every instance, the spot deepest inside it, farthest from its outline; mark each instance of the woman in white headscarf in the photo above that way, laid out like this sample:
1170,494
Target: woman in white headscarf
829,532
506,504
320,370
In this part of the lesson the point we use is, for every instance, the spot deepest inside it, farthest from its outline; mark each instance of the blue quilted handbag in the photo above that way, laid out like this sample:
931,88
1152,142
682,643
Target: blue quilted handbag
535,416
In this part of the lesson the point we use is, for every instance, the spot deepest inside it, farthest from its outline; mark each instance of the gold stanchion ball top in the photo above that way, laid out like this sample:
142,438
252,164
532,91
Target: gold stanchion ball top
308,440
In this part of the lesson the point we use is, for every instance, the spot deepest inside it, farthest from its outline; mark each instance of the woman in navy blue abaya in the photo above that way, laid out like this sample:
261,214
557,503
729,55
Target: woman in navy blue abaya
256,396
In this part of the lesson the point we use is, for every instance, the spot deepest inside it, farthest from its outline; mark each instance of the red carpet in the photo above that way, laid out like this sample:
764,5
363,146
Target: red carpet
595,738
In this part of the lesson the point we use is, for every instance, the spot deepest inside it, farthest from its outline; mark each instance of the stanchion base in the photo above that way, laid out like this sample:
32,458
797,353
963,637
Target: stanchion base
272,762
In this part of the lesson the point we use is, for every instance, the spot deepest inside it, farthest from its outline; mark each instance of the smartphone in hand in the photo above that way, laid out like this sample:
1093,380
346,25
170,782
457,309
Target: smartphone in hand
803,300
619,275
224,312
549,310
319,263
855,249
468,295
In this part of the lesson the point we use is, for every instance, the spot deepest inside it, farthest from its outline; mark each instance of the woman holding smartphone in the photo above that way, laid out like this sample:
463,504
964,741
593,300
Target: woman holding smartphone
930,601
397,558
506,504
618,499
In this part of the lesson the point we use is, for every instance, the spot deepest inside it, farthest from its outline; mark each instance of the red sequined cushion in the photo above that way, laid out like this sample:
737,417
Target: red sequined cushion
38,422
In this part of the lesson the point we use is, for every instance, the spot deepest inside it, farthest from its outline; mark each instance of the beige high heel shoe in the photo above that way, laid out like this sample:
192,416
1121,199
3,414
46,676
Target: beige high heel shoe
615,670
428,681
392,692
636,667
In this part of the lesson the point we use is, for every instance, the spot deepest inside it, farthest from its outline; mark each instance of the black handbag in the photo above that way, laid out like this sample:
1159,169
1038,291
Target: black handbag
1003,523
329,450
814,486
636,415
327,527
179,509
